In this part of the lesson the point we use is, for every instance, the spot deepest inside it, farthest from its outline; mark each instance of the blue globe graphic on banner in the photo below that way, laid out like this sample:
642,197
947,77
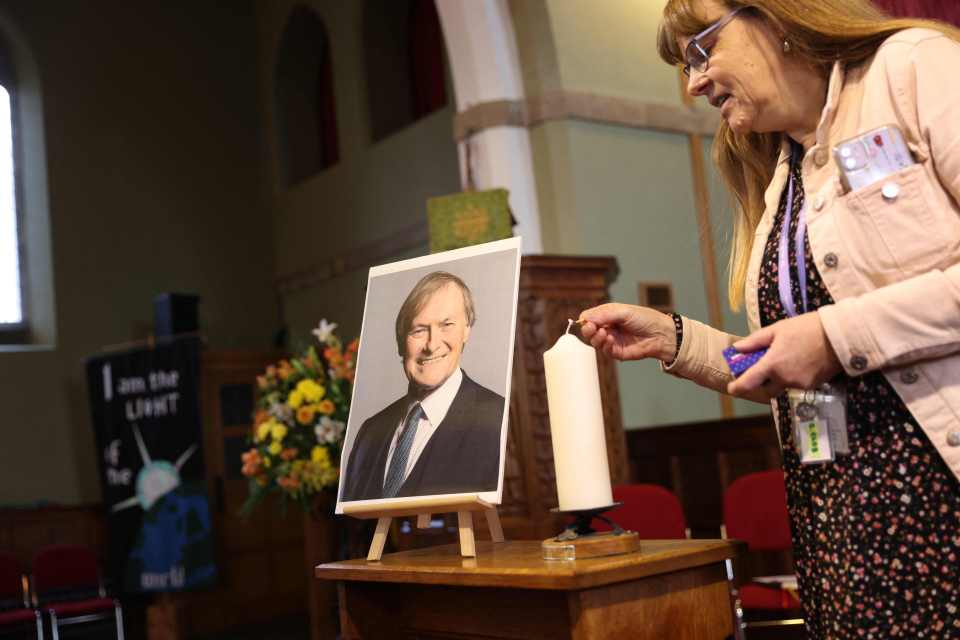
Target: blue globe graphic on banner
175,547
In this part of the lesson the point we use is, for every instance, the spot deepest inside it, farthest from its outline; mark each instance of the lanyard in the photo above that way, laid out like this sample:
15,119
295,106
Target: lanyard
783,255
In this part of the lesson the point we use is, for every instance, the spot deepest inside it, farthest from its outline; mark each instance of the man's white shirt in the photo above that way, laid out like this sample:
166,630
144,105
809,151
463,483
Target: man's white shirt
435,407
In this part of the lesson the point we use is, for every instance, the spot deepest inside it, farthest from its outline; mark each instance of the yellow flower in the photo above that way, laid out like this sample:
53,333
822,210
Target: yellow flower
312,392
264,430
278,431
295,399
305,414
321,456
267,463
326,407
275,448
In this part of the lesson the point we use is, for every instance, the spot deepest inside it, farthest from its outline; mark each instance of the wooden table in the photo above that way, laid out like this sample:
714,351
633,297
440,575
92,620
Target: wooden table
670,589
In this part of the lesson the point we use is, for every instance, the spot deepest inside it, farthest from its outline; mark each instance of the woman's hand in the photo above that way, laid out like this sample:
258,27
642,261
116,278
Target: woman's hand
628,332
799,356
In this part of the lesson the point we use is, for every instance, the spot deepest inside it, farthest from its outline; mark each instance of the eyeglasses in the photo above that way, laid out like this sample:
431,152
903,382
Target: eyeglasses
697,56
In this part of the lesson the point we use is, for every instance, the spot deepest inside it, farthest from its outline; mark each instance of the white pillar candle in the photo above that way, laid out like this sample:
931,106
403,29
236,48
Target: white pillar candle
576,425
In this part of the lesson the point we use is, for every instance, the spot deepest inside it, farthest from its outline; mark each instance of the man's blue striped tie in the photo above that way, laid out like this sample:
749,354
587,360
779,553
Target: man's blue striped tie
401,453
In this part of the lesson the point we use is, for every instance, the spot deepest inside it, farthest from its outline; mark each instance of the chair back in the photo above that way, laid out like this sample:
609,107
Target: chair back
61,569
11,582
649,509
755,511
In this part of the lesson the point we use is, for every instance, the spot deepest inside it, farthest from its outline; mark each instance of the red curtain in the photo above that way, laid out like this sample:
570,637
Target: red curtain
427,75
946,10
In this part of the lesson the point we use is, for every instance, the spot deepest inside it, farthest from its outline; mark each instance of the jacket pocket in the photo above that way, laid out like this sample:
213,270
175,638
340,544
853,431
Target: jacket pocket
899,225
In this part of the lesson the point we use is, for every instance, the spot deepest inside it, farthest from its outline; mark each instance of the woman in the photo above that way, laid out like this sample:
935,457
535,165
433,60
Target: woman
858,288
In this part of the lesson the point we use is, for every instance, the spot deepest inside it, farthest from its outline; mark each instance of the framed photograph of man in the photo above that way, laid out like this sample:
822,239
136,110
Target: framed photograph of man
430,398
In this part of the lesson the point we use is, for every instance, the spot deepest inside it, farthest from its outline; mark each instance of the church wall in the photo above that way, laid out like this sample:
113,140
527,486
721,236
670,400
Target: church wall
377,191
152,145
611,189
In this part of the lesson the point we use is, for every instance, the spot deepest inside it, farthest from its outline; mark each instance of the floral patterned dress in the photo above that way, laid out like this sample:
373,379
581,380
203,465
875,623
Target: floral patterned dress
876,534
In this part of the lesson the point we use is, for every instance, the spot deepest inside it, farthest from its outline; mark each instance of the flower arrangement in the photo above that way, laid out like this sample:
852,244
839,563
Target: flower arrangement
300,421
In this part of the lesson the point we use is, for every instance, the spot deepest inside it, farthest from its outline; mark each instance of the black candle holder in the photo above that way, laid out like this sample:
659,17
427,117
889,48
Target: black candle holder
580,540
582,521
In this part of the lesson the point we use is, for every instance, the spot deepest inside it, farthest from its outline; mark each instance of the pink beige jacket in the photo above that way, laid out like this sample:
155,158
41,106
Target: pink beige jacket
892,264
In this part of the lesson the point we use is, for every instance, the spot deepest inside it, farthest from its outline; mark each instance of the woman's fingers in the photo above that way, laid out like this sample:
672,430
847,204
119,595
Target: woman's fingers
588,329
605,314
756,340
599,338
760,375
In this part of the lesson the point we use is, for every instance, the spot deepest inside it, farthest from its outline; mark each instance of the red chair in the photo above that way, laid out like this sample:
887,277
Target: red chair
67,586
755,511
649,509
15,611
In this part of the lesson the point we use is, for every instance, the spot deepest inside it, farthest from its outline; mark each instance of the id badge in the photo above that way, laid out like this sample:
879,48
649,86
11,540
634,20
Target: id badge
819,424
831,403
812,436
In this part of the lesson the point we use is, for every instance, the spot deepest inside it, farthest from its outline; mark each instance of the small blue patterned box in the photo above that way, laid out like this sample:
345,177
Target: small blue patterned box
740,362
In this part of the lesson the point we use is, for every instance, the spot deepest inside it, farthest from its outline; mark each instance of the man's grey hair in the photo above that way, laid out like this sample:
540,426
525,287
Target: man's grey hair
417,299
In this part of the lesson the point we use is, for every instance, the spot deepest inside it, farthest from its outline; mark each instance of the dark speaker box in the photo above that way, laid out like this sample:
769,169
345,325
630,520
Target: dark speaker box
175,313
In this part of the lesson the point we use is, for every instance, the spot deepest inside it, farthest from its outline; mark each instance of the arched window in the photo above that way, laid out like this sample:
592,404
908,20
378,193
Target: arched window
406,76
304,100
12,315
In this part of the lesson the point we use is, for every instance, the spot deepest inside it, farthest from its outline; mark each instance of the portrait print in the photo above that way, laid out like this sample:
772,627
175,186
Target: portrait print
430,400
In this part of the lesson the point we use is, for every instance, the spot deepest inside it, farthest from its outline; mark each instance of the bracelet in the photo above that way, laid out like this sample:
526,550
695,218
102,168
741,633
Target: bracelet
678,324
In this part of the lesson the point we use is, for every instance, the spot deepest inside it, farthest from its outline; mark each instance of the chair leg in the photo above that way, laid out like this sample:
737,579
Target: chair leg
54,627
735,608
119,614
39,625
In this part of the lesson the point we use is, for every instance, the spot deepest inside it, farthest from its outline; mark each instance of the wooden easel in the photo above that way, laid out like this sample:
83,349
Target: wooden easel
423,508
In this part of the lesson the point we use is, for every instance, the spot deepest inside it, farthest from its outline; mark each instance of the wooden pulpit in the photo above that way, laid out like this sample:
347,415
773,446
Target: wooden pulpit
670,589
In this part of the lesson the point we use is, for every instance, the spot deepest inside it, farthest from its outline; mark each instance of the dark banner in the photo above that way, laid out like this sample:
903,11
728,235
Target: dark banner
146,413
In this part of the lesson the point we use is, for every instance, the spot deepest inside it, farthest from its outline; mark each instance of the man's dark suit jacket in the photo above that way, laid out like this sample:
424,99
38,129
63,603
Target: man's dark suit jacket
462,455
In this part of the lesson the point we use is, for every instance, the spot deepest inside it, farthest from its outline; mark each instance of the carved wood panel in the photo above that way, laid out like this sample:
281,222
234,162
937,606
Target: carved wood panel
552,289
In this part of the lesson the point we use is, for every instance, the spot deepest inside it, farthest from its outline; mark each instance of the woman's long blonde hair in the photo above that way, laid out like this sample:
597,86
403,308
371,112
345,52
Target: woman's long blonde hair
819,31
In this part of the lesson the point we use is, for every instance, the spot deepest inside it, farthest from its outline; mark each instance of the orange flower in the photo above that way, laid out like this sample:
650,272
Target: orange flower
305,414
262,382
354,346
284,370
251,463
333,356
260,416
271,371
288,454
326,407
288,483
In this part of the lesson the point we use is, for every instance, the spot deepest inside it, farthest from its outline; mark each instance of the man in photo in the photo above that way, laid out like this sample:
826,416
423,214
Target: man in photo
443,436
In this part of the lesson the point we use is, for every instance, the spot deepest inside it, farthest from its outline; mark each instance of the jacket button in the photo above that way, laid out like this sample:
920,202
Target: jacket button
831,260
858,362
890,191
818,203
820,158
909,376
953,438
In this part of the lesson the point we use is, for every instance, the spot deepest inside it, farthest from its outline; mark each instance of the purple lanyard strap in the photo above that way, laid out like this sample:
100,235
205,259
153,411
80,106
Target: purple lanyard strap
783,256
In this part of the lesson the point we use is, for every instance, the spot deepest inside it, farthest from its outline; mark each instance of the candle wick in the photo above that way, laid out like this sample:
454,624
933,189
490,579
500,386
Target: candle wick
569,324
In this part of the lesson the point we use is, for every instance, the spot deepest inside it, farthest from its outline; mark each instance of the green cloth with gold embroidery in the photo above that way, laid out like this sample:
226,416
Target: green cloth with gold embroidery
468,218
